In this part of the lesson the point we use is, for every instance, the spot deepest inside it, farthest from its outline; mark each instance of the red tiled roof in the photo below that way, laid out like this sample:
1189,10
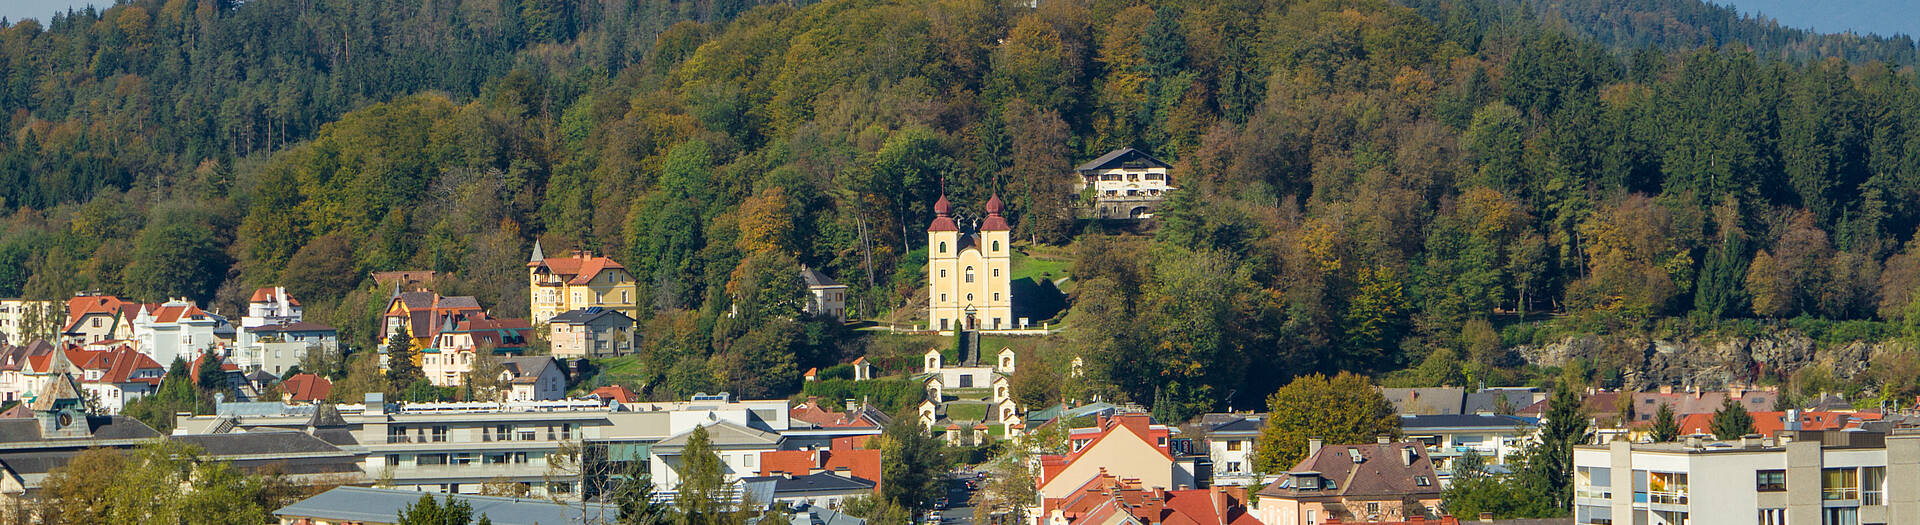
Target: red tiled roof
1105,497
303,388
580,268
265,295
120,365
615,393
811,412
859,463
174,314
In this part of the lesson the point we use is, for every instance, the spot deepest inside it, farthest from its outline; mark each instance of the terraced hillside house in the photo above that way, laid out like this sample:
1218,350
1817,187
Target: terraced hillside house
1123,184
581,280
591,332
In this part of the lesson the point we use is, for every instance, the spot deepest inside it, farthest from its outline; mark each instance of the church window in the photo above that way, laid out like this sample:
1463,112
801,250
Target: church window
996,296
943,298
996,246
969,298
943,273
969,274
943,247
996,272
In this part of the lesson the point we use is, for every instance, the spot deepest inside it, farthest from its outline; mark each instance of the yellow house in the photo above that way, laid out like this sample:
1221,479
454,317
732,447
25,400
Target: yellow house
557,285
969,276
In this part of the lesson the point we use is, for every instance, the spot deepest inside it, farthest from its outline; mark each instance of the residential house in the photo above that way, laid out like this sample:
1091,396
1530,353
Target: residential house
739,447
176,329
842,458
451,356
275,348
1449,436
305,388
1501,401
582,280
970,275
18,318
1230,440
94,317
1803,477
23,368
822,489
1425,401
1123,184
1647,404
1371,482
826,297
421,313
591,332
1127,445
538,378
382,506
614,393
1107,499
271,306
113,378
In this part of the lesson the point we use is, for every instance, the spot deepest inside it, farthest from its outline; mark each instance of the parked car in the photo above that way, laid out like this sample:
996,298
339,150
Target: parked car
934,517
940,504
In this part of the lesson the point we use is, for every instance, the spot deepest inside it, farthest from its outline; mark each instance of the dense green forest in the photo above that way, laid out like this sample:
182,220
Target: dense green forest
1364,188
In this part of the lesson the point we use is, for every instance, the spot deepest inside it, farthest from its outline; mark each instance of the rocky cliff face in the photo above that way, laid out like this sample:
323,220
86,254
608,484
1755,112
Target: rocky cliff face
1704,362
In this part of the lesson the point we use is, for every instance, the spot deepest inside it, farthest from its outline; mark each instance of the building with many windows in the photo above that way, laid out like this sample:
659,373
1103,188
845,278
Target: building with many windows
581,280
1802,477
1123,184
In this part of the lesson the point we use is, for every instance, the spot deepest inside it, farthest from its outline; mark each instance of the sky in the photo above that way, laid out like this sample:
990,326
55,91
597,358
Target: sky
15,10
1885,17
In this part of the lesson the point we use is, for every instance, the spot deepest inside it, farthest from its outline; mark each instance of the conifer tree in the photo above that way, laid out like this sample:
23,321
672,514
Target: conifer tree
1665,427
1732,420
401,370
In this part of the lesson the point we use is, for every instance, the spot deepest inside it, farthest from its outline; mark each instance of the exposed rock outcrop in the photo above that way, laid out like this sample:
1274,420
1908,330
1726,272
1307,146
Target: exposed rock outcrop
1705,362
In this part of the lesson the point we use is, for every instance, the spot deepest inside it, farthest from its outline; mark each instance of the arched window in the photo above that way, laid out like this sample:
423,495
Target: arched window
969,298
996,246
969,274
943,247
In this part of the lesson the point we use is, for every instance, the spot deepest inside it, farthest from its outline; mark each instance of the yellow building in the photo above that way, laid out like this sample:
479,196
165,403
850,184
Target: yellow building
969,275
556,285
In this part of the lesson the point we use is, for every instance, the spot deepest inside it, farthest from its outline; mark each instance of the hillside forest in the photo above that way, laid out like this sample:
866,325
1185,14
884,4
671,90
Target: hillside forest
1404,190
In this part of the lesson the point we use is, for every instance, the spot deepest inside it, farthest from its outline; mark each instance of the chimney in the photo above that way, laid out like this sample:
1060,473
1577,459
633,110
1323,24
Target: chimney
1486,517
1313,446
1382,439
1695,442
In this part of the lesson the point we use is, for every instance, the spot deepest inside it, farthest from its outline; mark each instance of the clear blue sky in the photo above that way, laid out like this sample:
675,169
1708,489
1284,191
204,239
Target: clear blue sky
1885,17
15,10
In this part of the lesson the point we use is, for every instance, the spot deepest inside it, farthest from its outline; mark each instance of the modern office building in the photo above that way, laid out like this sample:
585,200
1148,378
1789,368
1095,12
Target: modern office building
1802,477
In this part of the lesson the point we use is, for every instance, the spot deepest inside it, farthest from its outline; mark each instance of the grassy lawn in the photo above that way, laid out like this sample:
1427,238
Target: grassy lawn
967,411
623,370
1041,262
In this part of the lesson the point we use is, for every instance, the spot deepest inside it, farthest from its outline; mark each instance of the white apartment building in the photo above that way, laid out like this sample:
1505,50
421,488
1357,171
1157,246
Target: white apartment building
176,328
459,447
16,314
1802,478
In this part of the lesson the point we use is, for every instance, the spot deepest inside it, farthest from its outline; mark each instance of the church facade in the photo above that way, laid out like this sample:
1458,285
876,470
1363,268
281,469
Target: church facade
969,274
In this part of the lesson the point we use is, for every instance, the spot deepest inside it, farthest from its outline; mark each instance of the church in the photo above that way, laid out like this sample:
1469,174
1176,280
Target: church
969,275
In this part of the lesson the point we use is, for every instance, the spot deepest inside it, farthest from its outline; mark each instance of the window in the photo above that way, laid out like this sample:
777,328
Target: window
393,460
1422,481
1233,467
96,322
1667,488
943,248
749,459
969,298
396,434
969,274
996,272
1839,484
1773,517
943,298
440,434
996,247
1234,445
1593,482
943,273
1873,485
996,296
432,459
1593,515
1770,481
1841,516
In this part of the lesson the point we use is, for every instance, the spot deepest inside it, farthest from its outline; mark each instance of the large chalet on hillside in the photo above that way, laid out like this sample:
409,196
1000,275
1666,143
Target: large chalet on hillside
1123,184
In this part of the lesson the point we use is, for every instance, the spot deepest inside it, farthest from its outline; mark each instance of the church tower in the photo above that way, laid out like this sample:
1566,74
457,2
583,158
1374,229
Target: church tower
970,275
